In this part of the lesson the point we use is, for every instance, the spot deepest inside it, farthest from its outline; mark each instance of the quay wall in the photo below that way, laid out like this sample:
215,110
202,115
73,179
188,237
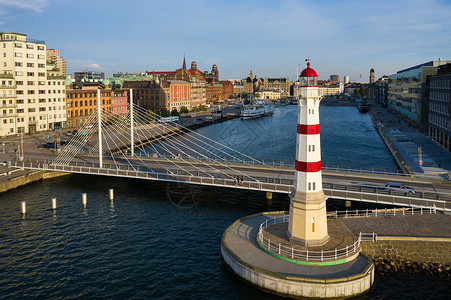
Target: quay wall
427,255
12,183
295,287
393,151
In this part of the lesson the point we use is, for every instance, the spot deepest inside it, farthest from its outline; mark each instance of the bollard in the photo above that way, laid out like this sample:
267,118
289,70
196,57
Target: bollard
84,199
111,194
23,206
53,203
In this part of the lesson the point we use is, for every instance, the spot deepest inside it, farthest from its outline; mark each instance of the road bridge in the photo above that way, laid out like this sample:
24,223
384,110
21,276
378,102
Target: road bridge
143,147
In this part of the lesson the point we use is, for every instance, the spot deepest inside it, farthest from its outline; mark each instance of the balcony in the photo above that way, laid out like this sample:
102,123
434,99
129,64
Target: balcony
8,105
8,115
7,86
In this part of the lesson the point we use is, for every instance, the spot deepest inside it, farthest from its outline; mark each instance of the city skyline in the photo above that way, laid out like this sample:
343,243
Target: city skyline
269,38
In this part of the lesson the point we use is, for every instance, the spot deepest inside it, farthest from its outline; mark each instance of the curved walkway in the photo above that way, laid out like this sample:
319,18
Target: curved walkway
241,240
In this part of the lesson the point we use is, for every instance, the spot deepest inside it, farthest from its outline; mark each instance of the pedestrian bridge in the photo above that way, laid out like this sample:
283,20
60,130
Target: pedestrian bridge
144,148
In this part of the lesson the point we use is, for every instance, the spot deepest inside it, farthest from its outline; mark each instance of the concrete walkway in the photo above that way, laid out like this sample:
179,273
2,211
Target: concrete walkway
406,141
435,225
241,239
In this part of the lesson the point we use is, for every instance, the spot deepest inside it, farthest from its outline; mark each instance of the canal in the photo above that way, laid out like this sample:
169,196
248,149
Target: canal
162,241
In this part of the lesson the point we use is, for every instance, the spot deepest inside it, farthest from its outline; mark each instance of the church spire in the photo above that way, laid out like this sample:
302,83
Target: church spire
184,62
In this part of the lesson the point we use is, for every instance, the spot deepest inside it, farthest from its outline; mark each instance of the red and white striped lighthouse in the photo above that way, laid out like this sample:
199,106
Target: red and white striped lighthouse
308,222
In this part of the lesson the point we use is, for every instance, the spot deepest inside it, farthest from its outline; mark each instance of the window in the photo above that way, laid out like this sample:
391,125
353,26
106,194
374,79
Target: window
18,64
40,47
30,55
19,92
30,82
17,45
30,65
19,82
31,109
20,111
41,100
41,74
19,101
30,47
31,101
30,73
41,66
30,92
41,57
19,73
41,108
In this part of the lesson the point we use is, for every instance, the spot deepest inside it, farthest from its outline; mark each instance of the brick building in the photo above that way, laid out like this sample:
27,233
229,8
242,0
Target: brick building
82,101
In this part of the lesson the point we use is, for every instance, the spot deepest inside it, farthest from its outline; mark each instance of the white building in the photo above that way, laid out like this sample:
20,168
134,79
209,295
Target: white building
8,105
40,97
346,79
273,94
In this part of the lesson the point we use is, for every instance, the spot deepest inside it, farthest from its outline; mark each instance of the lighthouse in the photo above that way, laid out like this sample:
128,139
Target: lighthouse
307,220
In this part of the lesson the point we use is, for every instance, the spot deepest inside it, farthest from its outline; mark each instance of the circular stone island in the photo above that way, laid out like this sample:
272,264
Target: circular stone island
256,249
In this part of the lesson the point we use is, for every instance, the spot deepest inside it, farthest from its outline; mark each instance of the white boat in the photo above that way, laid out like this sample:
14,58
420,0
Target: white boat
256,110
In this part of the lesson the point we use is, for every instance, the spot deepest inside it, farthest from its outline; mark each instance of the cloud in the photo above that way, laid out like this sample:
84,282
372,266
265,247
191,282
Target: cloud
85,64
8,7
92,66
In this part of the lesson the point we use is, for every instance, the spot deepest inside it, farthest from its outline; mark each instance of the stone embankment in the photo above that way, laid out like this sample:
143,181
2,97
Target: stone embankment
388,267
12,181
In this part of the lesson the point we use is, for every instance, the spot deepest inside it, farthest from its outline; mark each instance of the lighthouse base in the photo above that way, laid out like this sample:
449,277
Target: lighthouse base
307,223
308,243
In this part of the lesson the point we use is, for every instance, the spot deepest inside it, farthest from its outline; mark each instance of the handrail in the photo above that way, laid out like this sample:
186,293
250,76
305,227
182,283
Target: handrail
369,213
303,255
263,183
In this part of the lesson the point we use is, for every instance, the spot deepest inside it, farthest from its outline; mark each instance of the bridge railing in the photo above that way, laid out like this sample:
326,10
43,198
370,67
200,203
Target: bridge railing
301,254
262,183
280,163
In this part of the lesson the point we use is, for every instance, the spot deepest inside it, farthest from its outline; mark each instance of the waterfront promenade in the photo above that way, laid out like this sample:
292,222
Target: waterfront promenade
405,140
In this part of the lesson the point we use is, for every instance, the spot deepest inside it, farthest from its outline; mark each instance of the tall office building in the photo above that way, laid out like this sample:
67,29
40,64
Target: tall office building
407,92
346,79
54,57
40,100
440,106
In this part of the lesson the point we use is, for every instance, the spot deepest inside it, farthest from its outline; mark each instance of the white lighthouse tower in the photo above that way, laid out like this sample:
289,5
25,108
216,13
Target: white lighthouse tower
308,222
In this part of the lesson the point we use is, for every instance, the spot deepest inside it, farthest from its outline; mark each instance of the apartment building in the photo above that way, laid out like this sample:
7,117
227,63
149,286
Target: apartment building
440,106
40,98
54,58
8,105
82,101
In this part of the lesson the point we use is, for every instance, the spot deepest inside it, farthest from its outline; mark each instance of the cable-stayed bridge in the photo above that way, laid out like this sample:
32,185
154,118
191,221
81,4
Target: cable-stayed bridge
140,144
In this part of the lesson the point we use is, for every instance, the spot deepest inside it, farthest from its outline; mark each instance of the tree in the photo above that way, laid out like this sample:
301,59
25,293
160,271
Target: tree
174,112
202,108
149,115
164,112
184,110
257,95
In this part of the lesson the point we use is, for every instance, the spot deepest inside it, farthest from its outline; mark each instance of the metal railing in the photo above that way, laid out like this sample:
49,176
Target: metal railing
303,255
261,183
383,212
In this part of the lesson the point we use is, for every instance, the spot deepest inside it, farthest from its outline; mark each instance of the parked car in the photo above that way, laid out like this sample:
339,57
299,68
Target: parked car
393,186
50,146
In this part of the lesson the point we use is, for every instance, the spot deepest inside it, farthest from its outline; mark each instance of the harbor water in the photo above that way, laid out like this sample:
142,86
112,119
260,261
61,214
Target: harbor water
162,241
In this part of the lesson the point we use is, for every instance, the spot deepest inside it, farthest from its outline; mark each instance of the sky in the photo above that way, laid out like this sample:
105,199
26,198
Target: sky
272,38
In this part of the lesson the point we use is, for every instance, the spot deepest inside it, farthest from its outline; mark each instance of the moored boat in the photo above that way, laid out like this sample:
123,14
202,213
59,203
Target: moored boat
256,110
363,108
